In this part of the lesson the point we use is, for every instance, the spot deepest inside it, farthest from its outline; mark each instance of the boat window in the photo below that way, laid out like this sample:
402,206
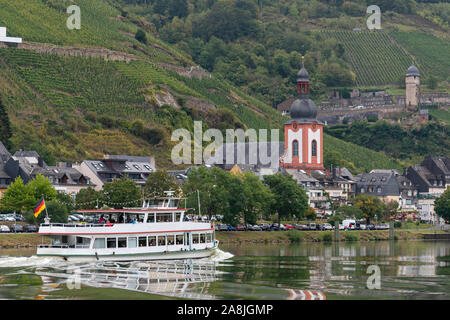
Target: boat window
142,241
202,238
122,242
209,237
179,239
141,218
161,240
178,217
173,203
99,243
132,242
164,217
151,218
170,240
152,241
112,242
195,238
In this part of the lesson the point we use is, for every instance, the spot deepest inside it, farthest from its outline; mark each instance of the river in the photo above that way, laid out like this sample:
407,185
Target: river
372,270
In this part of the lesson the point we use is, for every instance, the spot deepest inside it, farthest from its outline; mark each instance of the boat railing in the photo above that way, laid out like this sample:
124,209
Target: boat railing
64,246
73,225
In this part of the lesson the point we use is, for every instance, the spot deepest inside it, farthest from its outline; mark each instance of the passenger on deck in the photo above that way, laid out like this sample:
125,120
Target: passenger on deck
101,220
121,218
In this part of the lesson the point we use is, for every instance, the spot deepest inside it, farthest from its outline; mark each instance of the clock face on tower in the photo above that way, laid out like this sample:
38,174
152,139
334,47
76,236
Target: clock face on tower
295,125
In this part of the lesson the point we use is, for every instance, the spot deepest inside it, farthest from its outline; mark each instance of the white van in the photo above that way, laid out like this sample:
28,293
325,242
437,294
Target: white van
349,224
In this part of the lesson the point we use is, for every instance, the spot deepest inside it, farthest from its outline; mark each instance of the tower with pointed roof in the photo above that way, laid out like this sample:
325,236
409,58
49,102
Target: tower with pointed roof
303,144
412,88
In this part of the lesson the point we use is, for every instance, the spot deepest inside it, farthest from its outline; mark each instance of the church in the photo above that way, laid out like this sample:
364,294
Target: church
302,150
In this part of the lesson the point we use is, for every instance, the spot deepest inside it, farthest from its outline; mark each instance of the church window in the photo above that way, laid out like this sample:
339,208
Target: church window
314,148
295,148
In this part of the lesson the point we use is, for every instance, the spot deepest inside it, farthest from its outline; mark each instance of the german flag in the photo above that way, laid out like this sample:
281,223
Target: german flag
39,208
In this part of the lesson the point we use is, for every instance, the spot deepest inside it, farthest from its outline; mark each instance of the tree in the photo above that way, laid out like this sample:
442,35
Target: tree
350,211
257,198
121,193
21,198
141,36
210,186
5,126
41,187
290,198
87,199
18,197
442,205
158,182
370,206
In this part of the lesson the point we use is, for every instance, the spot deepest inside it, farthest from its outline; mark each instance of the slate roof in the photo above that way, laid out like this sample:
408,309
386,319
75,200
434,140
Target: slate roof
249,148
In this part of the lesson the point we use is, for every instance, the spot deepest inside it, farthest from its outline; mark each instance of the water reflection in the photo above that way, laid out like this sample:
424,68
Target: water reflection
183,279
409,270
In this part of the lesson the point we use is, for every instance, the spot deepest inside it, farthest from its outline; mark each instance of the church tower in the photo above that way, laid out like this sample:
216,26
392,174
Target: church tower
412,89
303,144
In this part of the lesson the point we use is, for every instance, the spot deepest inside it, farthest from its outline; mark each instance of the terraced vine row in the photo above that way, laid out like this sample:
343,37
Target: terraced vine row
374,56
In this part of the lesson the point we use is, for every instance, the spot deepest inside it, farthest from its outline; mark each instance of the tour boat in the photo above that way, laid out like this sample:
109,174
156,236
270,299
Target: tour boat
156,231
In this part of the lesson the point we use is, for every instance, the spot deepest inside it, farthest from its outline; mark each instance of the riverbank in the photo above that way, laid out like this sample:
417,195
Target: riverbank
22,240
31,240
248,237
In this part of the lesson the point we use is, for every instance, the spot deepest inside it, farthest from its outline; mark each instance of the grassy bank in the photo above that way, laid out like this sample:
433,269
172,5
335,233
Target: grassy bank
30,240
22,240
243,237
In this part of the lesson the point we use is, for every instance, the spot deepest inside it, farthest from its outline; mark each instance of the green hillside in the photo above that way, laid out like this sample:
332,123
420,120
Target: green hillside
70,107
374,56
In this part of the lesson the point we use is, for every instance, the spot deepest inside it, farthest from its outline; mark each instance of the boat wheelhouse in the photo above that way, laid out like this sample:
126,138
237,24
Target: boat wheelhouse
157,231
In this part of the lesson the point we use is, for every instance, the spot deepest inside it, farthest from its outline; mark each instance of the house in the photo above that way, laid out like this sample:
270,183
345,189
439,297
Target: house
114,167
388,185
5,179
65,178
432,176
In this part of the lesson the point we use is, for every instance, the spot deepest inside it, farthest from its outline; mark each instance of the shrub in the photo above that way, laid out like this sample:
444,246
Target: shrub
327,237
140,36
351,236
397,224
295,236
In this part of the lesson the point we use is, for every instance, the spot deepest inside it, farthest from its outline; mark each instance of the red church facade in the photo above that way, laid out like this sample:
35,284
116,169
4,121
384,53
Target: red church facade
303,145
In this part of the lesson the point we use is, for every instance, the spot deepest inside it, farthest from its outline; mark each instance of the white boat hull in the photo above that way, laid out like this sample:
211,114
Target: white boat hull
70,255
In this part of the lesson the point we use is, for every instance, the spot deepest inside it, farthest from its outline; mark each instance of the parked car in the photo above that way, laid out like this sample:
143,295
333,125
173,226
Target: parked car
264,226
223,227
2,218
288,226
16,228
9,218
312,226
231,228
301,227
73,218
19,217
4,229
217,227
370,227
276,227
255,228
240,227
327,226
382,226
341,227
30,228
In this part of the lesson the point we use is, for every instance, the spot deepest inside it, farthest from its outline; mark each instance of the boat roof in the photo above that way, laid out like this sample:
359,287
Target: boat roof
130,210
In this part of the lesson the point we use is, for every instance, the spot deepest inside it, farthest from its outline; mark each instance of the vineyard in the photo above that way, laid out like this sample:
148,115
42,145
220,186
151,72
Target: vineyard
432,53
374,56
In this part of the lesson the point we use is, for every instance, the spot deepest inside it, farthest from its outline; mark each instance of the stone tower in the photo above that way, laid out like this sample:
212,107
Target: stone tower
412,89
303,145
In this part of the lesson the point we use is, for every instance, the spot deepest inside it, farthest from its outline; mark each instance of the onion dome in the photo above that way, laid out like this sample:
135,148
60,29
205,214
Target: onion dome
303,109
413,71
